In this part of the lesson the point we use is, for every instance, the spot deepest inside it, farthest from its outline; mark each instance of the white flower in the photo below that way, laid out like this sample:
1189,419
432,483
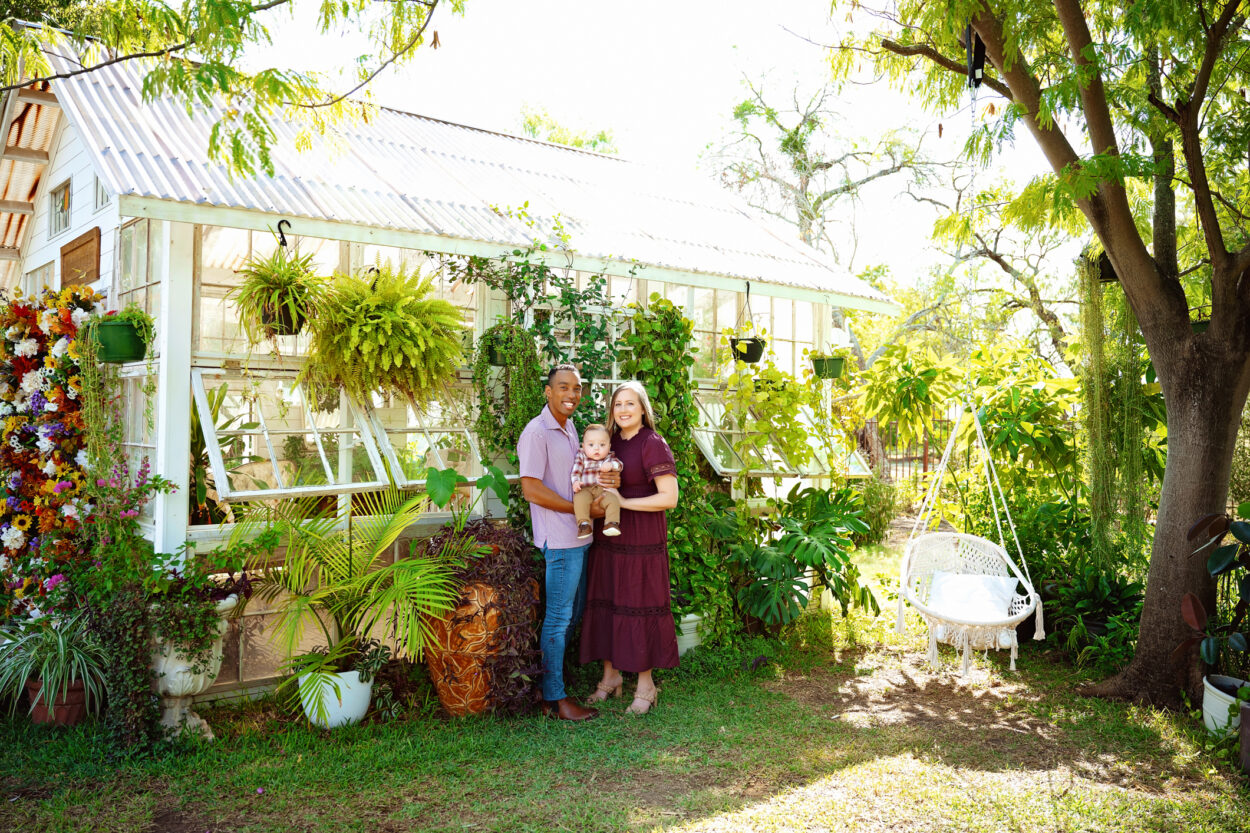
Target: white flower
13,538
71,393
70,510
50,406
60,348
34,612
4,563
45,445
32,381
78,316
26,347
80,459
49,468
5,408
14,333
46,321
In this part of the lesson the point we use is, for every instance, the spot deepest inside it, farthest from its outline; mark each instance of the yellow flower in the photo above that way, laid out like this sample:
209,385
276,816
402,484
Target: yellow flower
75,381
49,362
22,522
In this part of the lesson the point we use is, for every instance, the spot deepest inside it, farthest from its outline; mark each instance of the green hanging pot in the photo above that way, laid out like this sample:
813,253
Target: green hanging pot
828,367
117,341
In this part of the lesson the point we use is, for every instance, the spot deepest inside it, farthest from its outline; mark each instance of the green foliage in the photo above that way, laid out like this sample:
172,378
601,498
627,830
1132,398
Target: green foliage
660,356
570,323
1219,636
281,285
771,554
57,651
910,390
539,124
202,48
381,333
878,502
763,405
120,622
1095,614
510,396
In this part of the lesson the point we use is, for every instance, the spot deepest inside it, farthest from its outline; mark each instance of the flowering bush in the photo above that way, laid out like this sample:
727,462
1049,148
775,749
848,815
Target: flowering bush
42,458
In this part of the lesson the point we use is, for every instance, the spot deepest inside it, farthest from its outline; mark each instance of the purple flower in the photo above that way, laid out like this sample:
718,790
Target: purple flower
13,502
37,401
53,581
61,486
15,480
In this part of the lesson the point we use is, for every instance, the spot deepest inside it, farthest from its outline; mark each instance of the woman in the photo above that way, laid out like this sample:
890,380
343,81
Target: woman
629,619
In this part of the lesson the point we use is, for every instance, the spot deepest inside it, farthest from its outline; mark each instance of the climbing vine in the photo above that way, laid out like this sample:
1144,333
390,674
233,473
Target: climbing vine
660,356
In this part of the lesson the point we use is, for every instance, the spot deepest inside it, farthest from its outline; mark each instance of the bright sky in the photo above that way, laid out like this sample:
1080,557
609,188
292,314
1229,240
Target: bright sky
662,75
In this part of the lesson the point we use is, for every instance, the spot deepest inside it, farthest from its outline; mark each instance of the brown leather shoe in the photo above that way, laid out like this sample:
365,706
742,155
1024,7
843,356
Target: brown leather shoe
568,709
585,529
611,529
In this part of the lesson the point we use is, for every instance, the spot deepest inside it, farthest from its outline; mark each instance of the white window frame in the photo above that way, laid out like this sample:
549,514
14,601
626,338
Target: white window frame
57,215
212,440
36,279
420,426
707,431
102,196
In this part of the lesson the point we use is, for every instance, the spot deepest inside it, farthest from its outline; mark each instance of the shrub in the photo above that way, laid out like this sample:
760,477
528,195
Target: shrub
878,507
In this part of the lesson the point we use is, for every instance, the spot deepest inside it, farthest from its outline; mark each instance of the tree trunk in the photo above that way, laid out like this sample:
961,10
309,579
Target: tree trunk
1204,406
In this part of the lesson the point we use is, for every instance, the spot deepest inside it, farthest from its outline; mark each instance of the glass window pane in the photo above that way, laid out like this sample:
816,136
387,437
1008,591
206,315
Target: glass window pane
326,253
704,312
726,309
783,318
705,360
784,351
803,322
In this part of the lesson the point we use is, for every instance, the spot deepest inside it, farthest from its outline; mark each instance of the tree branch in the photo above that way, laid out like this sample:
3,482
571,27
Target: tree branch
926,51
1093,96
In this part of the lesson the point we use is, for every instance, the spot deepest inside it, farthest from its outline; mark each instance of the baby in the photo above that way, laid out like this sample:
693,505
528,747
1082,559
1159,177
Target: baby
594,457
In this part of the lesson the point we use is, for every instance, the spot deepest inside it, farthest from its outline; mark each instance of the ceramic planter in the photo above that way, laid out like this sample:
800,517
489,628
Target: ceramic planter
178,684
348,704
688,633
1219,693
462,643
117,341
749,350
65,710
828,367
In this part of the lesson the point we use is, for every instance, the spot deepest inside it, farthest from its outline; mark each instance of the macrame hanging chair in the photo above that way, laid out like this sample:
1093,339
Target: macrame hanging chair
967,587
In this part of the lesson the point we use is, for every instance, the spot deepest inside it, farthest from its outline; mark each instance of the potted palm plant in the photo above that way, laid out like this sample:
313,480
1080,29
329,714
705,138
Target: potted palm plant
58,663
337,575
278,294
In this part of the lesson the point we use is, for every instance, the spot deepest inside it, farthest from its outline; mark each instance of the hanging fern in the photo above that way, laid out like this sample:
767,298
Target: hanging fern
1100,462
383,333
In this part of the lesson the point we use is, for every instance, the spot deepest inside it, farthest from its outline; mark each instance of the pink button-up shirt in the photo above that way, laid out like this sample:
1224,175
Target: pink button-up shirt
546,452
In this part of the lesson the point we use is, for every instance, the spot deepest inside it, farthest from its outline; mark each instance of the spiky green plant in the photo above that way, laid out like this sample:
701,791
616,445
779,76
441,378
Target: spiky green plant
382,333
58,652
282,284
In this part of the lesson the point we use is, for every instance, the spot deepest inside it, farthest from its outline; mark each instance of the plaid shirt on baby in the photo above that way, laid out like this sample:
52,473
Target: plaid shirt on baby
586,471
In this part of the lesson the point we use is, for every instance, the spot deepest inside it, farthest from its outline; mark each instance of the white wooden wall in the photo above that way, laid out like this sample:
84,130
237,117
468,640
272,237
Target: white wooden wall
69,160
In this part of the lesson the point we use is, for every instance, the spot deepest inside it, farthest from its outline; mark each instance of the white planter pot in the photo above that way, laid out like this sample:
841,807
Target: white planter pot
1216,703
347,704
177,683
688,633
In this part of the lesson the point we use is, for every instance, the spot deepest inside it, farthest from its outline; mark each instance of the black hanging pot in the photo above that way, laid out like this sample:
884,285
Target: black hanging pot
749,350
282,321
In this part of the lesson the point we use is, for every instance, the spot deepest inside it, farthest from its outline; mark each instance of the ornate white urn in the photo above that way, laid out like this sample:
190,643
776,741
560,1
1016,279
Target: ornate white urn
178,684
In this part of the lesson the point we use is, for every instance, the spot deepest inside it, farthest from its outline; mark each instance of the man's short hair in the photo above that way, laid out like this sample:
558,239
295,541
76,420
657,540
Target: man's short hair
560,368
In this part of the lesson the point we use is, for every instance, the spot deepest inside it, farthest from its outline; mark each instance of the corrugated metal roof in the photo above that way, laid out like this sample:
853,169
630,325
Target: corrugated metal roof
33,127
407,172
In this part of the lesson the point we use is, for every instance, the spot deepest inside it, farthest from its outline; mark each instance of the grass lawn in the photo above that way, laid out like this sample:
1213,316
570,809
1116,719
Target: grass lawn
840,726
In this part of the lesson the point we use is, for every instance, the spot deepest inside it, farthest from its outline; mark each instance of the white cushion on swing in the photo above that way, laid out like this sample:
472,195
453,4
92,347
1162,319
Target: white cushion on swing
972,597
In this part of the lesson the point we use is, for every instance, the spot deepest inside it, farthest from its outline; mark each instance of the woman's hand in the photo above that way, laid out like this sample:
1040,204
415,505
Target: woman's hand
610,479
665,497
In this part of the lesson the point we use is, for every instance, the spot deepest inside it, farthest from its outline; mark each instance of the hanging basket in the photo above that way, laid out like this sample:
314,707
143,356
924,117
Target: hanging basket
496,356
749,350
117,341
282,322
828,367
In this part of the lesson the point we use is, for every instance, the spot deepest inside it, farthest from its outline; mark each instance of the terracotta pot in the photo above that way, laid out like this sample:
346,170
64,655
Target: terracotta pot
67,710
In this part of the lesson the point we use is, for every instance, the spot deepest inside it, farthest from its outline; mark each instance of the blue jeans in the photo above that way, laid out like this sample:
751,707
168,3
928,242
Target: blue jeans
566,599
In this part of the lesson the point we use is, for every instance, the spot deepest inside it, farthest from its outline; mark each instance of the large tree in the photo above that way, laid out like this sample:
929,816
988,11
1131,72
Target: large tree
195,51
1132,104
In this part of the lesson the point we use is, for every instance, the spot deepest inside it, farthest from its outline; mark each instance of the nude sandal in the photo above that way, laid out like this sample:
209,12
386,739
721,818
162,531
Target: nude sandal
647,703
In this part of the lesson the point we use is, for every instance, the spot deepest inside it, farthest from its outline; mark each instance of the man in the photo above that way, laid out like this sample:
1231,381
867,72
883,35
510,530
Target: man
546,450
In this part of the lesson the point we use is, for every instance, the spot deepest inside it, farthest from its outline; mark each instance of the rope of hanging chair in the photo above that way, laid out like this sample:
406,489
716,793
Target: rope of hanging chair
930,498
992,472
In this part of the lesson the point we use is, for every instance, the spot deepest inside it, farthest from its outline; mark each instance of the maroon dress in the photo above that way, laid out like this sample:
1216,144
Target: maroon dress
629,616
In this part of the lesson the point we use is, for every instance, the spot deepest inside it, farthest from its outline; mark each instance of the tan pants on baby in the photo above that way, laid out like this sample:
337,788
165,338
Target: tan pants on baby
587,495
